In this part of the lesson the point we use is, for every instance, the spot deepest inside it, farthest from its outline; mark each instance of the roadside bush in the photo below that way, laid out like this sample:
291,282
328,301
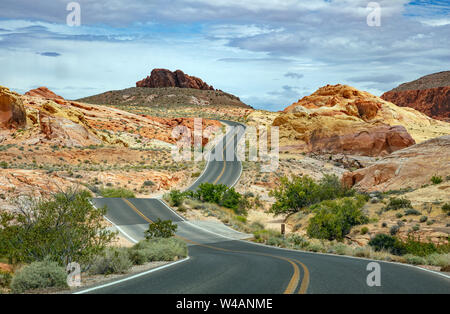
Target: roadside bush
161,229
39,275
5,279
212,193
112,261
413,259
176,197
64,228
437,259
158,249
298,193
334,219
398,203
386,242
117,193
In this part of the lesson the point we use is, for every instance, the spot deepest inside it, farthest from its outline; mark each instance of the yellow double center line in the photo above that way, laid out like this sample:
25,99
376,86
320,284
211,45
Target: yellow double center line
293,283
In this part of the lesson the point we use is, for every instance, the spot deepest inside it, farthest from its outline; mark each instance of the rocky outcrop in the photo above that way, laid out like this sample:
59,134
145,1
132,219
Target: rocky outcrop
410,167
43,92
12,111
166,78
342,119
300,132
429,94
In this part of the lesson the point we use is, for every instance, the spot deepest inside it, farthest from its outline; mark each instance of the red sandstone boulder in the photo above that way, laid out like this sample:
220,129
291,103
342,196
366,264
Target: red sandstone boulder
165,78
12,110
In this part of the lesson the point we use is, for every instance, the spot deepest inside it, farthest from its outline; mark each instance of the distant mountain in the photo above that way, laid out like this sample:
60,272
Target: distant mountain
429,94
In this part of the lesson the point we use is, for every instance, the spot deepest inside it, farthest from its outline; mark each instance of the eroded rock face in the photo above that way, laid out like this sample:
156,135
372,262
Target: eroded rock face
434,102
342,119
43,92
429,94
12,111
410,167
165,78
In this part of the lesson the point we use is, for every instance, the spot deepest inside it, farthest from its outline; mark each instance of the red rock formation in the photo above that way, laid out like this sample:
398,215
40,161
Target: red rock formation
410,167
43,92
12,110
434,102
166,78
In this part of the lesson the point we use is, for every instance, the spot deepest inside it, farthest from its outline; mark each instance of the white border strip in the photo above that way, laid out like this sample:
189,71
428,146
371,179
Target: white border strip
131,277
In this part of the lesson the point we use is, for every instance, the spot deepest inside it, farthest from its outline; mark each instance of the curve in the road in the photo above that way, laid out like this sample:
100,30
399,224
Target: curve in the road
220,264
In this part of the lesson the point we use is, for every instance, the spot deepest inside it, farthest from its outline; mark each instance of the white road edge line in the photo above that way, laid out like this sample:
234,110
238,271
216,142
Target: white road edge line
131,277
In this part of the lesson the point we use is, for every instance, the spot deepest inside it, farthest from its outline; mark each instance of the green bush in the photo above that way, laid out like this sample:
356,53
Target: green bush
211,193
334,219
5,279
412,211
386,242
64,228
39,275
300,192
436,179
112,261
161,229
394,230
117,193
423,219
446,208
176,197
364,230
413,259
398,203
158,249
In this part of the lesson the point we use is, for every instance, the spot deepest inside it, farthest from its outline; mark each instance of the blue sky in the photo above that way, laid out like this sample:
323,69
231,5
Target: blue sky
268,52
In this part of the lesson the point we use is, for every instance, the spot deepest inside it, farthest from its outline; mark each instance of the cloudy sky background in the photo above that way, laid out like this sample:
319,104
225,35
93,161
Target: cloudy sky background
268,52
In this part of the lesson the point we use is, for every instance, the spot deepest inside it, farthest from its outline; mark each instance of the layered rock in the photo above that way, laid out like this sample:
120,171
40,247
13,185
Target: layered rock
43,92
166,78
12,111
410,167
429,94
342,119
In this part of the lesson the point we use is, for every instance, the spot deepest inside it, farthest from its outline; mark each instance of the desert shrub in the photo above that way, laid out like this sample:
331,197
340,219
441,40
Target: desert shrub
176,197
413,259
340,249
412,211
446,208
334,219
117,193
5,279
257,225
297,193
418,248
241,219
157,249
316,247
386,242
364,230
212,193
3,164
112,261
161,229
65,228
39,275
438,259
436,179
423,219
148,183
297,241
394,229
398,203
231,199
263,235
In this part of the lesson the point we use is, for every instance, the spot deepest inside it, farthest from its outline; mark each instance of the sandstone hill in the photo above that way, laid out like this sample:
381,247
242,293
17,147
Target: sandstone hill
174,102
342,119
429,94
166,78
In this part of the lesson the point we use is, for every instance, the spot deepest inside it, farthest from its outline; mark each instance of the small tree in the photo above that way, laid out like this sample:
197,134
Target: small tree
176,197
65,228
161,229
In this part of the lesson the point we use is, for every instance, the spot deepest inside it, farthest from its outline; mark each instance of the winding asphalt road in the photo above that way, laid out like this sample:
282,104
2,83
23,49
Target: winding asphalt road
224,265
